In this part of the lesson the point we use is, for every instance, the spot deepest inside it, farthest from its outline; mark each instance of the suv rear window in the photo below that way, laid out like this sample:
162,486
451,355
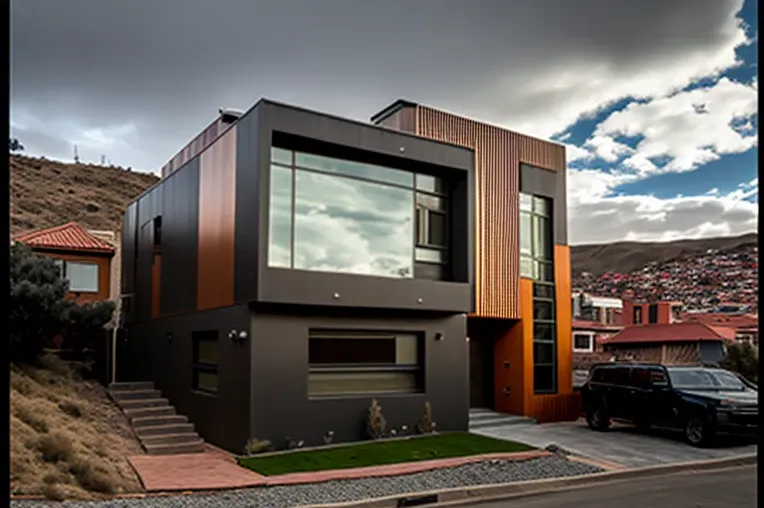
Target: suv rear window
611,375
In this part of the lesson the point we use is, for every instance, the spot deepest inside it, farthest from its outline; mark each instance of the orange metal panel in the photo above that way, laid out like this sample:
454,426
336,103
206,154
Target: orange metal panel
217,216
498,154
564,317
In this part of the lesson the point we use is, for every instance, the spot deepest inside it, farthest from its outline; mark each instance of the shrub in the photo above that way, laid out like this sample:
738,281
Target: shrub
742,359
376,423
70,408
91,477
255,446
426,425
56,447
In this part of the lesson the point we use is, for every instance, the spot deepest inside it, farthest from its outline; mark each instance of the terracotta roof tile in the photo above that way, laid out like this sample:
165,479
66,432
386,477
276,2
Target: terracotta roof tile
69,236
675,332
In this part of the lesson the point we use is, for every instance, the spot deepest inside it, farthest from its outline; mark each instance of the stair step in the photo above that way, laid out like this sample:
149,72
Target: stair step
491,416
171,449
154,421
134,385
500,422
164,430
120,395
182,437
149,411
131,404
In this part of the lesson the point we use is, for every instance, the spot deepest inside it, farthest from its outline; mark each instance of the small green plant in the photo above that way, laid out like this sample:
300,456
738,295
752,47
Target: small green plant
426,425
376,422
255,446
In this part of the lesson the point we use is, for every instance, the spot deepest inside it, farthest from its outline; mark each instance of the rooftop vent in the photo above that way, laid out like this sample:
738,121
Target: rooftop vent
229,115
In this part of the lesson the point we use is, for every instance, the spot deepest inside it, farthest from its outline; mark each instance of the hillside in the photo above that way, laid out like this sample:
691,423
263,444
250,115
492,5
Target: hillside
68,440
625,257
47,193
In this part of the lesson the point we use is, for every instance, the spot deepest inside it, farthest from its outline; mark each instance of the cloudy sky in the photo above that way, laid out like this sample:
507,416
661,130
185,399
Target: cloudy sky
656,100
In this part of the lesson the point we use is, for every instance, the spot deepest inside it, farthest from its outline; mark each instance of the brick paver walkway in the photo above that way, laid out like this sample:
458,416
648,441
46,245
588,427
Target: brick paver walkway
216,469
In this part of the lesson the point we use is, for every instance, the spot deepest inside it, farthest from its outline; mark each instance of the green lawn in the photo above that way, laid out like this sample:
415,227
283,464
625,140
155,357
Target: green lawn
441,446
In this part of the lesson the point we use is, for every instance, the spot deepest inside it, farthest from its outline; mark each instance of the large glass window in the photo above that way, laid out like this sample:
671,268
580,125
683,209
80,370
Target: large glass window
361,362
536,238
336,215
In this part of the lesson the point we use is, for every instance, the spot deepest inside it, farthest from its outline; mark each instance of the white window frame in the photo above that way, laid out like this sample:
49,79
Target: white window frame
590,349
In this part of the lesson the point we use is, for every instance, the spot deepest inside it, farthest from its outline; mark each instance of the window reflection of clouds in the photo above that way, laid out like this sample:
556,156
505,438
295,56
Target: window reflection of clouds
344,225
279,246
367,171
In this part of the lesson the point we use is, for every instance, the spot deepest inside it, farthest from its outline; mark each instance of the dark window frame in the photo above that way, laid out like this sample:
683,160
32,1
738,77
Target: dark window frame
539,262
200,367
421,212
546,296
417,369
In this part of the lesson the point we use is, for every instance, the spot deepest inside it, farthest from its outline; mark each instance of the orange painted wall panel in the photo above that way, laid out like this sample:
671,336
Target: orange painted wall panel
217,217
564,318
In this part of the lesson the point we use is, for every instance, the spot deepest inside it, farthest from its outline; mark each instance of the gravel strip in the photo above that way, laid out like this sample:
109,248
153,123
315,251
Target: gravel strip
480,473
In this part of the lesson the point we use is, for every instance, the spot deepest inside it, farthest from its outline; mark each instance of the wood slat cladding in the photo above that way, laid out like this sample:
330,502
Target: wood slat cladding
217,219
498,154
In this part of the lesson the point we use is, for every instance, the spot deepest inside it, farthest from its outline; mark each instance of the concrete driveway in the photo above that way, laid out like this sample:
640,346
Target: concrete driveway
622,444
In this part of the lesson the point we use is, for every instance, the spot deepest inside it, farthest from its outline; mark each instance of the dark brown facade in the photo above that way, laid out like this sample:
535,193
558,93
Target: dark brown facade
209,223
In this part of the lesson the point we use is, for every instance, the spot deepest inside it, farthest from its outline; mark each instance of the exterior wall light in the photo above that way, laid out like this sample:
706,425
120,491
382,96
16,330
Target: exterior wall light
438,336
243,336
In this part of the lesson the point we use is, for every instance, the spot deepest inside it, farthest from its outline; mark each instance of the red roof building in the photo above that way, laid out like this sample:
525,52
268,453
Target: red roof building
84,258
671,333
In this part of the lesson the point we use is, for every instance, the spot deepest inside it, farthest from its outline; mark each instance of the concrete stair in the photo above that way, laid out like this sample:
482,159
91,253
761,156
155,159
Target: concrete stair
488,418
160,430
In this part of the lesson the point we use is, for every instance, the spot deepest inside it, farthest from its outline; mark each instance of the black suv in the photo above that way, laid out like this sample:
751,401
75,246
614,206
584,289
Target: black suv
698,400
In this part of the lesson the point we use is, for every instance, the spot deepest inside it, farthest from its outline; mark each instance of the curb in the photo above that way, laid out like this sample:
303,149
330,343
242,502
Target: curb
497,492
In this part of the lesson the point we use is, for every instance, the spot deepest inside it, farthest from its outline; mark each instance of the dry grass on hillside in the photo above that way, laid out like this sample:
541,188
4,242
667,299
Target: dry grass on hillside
68,440
46,193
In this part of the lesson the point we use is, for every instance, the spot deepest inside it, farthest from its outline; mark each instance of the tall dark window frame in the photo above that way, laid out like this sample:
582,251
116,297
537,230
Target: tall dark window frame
205,361
544,338
637,315
536,214
349,363
430,201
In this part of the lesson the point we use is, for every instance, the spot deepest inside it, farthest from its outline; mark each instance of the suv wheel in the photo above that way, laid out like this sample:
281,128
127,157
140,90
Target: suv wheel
598,419
697,430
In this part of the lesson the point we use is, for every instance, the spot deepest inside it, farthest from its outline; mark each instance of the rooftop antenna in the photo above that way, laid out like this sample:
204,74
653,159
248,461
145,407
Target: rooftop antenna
103,160
76,155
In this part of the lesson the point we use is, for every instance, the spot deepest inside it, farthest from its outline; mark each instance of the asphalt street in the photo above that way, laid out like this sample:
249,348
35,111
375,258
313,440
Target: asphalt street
733,487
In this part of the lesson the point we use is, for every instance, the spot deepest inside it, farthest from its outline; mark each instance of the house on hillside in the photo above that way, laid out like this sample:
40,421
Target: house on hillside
291,266
85,259
674,343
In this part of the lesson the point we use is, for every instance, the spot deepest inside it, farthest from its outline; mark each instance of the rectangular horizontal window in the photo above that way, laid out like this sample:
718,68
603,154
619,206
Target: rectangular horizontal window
429,183
206,358
82,276
543,291
543,353
583,342
544,379
526,268
543,310
353,362
543,332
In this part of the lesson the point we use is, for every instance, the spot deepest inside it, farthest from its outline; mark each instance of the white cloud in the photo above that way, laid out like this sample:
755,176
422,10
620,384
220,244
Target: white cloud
687,129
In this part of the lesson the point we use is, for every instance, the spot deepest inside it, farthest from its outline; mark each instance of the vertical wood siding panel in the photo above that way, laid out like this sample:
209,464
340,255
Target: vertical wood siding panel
498,154
217,218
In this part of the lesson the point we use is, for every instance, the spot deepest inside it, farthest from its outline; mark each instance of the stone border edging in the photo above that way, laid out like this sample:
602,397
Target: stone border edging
497,492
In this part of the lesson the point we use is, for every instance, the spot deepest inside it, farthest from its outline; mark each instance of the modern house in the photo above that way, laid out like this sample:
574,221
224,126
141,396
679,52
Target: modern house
291,266
85,258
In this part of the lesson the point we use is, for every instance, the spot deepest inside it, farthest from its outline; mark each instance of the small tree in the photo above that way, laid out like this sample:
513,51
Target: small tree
376,423
14,145
36,303
425,425
39,309
742,359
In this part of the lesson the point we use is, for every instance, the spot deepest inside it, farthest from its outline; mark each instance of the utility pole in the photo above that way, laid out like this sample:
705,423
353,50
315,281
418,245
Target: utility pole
76,155
103,160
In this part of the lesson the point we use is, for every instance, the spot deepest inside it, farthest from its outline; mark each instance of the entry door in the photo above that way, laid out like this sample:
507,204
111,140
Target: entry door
481,373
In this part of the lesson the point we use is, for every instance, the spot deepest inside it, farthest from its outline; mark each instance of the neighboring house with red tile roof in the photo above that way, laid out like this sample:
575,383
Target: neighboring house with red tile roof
588,336
746,326
674,343
85,258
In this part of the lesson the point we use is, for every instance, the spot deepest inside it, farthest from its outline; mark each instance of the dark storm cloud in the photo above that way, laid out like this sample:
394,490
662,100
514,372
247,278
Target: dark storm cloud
166,66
